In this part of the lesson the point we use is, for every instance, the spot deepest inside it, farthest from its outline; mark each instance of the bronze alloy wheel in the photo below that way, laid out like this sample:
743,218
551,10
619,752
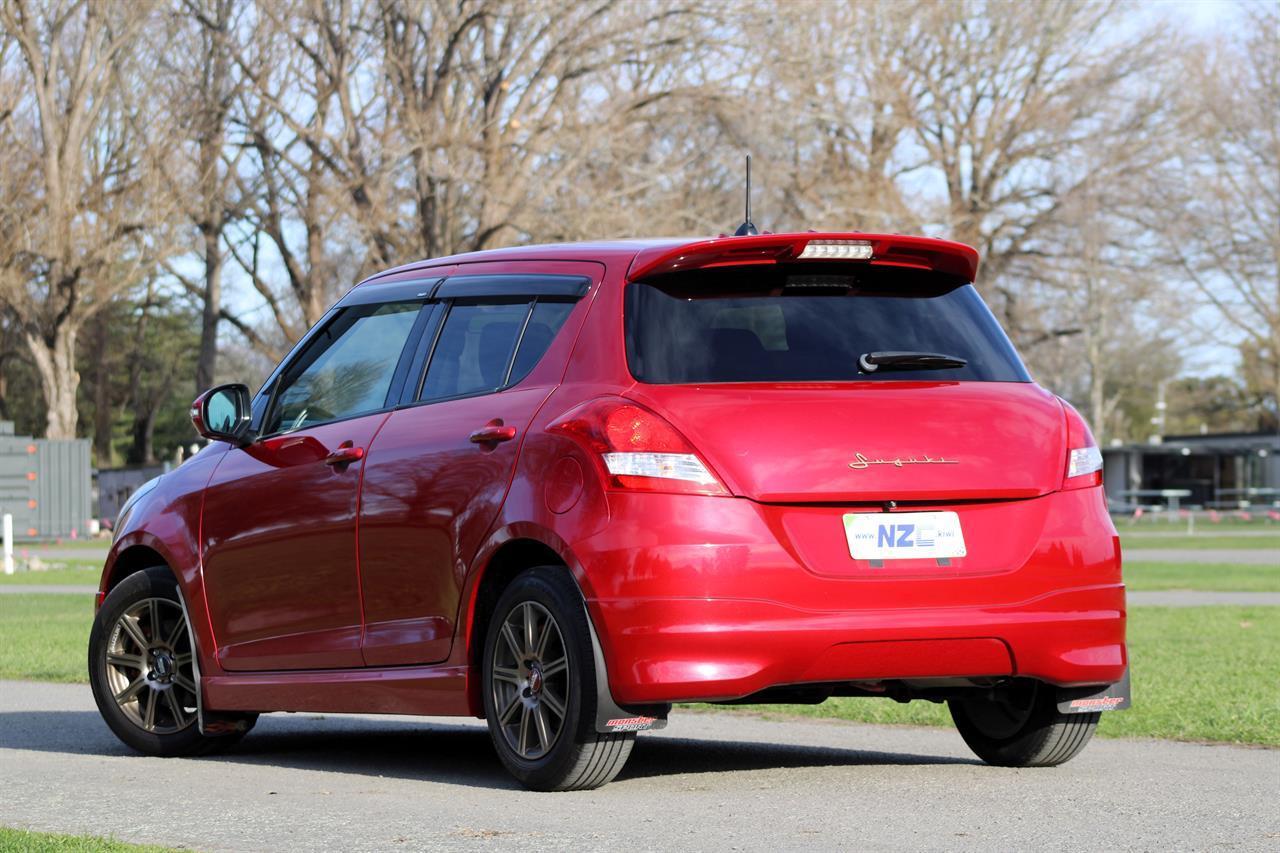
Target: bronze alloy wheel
149,666
530,680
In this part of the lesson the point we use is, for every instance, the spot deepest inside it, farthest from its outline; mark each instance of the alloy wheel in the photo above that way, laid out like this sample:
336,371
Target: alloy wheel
150,667
529,679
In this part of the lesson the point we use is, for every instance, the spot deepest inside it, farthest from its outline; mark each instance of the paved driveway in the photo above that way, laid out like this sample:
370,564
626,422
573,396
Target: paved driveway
709,782
1245,556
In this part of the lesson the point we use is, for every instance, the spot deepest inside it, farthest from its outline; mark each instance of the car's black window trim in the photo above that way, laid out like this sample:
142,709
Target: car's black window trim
394,291
546,286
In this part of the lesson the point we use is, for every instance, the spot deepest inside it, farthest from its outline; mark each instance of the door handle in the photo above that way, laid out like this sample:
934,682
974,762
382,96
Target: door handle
493,433
345,454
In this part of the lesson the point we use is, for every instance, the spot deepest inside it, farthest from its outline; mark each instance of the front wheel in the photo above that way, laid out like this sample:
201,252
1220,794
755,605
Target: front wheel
142,669
540,691
1020,726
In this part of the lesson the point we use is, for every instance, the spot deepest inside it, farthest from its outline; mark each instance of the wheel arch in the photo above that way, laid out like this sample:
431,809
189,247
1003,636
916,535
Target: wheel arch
505,559
524,547
131,558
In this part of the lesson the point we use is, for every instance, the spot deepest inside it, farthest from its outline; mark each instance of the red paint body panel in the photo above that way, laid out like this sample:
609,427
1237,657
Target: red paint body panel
692,596
280,551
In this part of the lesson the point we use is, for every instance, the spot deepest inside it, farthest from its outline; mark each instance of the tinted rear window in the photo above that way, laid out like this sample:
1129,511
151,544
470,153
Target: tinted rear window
781,325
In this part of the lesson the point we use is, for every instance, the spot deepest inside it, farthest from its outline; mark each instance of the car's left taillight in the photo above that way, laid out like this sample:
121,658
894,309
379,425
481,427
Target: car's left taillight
1084,459
636,449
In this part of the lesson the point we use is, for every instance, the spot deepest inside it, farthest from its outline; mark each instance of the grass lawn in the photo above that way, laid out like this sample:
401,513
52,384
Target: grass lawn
83,574
15,840
45,637
1136,541
1224,577
1198,673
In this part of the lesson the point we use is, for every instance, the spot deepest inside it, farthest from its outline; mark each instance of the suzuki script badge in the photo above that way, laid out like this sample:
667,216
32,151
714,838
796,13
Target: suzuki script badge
861,462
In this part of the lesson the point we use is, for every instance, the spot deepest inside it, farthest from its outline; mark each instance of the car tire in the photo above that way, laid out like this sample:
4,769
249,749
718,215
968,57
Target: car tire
539,687
1022,727
140,649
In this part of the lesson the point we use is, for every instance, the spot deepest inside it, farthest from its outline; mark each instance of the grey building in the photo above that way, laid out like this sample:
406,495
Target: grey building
45,485
1219,471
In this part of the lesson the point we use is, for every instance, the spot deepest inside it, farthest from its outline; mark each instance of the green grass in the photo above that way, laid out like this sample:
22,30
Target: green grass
1223,577
83,574
15,840
45,637
1198,541
1198,674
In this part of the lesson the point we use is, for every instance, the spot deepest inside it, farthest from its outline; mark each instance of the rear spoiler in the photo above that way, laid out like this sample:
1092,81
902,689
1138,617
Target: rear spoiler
893,250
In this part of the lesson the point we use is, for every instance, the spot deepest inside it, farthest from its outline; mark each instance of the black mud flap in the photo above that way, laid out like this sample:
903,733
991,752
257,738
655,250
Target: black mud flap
211,723
1086,700
610,716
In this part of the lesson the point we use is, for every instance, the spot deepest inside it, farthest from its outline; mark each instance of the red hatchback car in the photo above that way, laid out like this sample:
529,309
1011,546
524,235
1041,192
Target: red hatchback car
563,487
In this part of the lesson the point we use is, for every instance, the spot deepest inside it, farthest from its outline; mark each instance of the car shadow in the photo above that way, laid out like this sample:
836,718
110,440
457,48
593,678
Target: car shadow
450,754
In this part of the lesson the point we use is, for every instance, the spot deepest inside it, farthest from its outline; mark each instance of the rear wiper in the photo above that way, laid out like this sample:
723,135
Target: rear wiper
870,362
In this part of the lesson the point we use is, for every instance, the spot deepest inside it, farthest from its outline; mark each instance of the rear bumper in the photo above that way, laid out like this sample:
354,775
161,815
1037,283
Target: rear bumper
676,650
715,599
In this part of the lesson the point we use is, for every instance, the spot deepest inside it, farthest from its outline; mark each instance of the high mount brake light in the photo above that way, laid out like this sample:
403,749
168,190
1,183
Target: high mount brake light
637,449
845,250
1084,459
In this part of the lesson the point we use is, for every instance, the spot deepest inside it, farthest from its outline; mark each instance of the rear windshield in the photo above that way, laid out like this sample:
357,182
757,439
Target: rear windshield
787,325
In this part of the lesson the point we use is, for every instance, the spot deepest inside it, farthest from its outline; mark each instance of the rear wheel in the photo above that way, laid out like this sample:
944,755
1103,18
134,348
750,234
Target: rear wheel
142,668
1021,727
539,688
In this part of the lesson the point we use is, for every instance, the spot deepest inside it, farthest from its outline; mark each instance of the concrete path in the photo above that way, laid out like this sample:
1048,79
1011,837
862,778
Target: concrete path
1245,556
1200,598
1180,532
47,588
709,782
52,553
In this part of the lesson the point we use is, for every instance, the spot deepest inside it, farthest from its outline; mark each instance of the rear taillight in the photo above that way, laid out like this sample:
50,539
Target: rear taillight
637,449
1084,459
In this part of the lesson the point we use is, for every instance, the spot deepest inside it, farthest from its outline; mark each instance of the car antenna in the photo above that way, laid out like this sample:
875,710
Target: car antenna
747,228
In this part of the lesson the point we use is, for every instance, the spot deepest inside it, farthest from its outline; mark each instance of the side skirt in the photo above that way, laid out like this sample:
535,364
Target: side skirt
418,690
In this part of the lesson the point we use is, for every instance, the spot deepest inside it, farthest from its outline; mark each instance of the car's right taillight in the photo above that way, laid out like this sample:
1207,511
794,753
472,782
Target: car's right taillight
637,449
1084,459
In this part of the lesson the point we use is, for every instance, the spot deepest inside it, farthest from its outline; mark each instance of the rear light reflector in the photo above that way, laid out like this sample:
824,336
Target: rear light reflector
637,449
844,250
669,466
1083,460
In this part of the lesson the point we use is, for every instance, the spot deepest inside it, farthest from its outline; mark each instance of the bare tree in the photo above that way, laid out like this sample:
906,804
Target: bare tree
84,235
202,88
1220,202
1010,106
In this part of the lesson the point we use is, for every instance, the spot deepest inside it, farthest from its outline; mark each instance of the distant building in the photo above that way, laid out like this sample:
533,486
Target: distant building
45,485
1223,471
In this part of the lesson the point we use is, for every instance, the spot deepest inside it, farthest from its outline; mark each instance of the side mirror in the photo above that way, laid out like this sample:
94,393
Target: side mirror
223,413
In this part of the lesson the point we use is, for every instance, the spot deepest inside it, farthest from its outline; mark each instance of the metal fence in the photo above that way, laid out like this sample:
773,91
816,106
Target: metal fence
45,485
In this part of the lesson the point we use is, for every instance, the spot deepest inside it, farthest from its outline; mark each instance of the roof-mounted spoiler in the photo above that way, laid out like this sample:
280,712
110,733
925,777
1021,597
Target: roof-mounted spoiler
892,250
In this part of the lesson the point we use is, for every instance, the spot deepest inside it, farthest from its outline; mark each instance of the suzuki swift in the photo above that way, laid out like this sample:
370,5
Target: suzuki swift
564,487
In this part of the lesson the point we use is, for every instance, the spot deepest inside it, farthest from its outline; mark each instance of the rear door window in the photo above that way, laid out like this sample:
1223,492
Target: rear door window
785,325
474,350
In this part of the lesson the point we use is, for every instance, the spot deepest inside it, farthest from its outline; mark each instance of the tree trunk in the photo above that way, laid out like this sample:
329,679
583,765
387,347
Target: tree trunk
142,452
101,392
207,364
55,361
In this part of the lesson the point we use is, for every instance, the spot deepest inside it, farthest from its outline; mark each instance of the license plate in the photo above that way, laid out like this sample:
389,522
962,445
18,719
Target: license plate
903,535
